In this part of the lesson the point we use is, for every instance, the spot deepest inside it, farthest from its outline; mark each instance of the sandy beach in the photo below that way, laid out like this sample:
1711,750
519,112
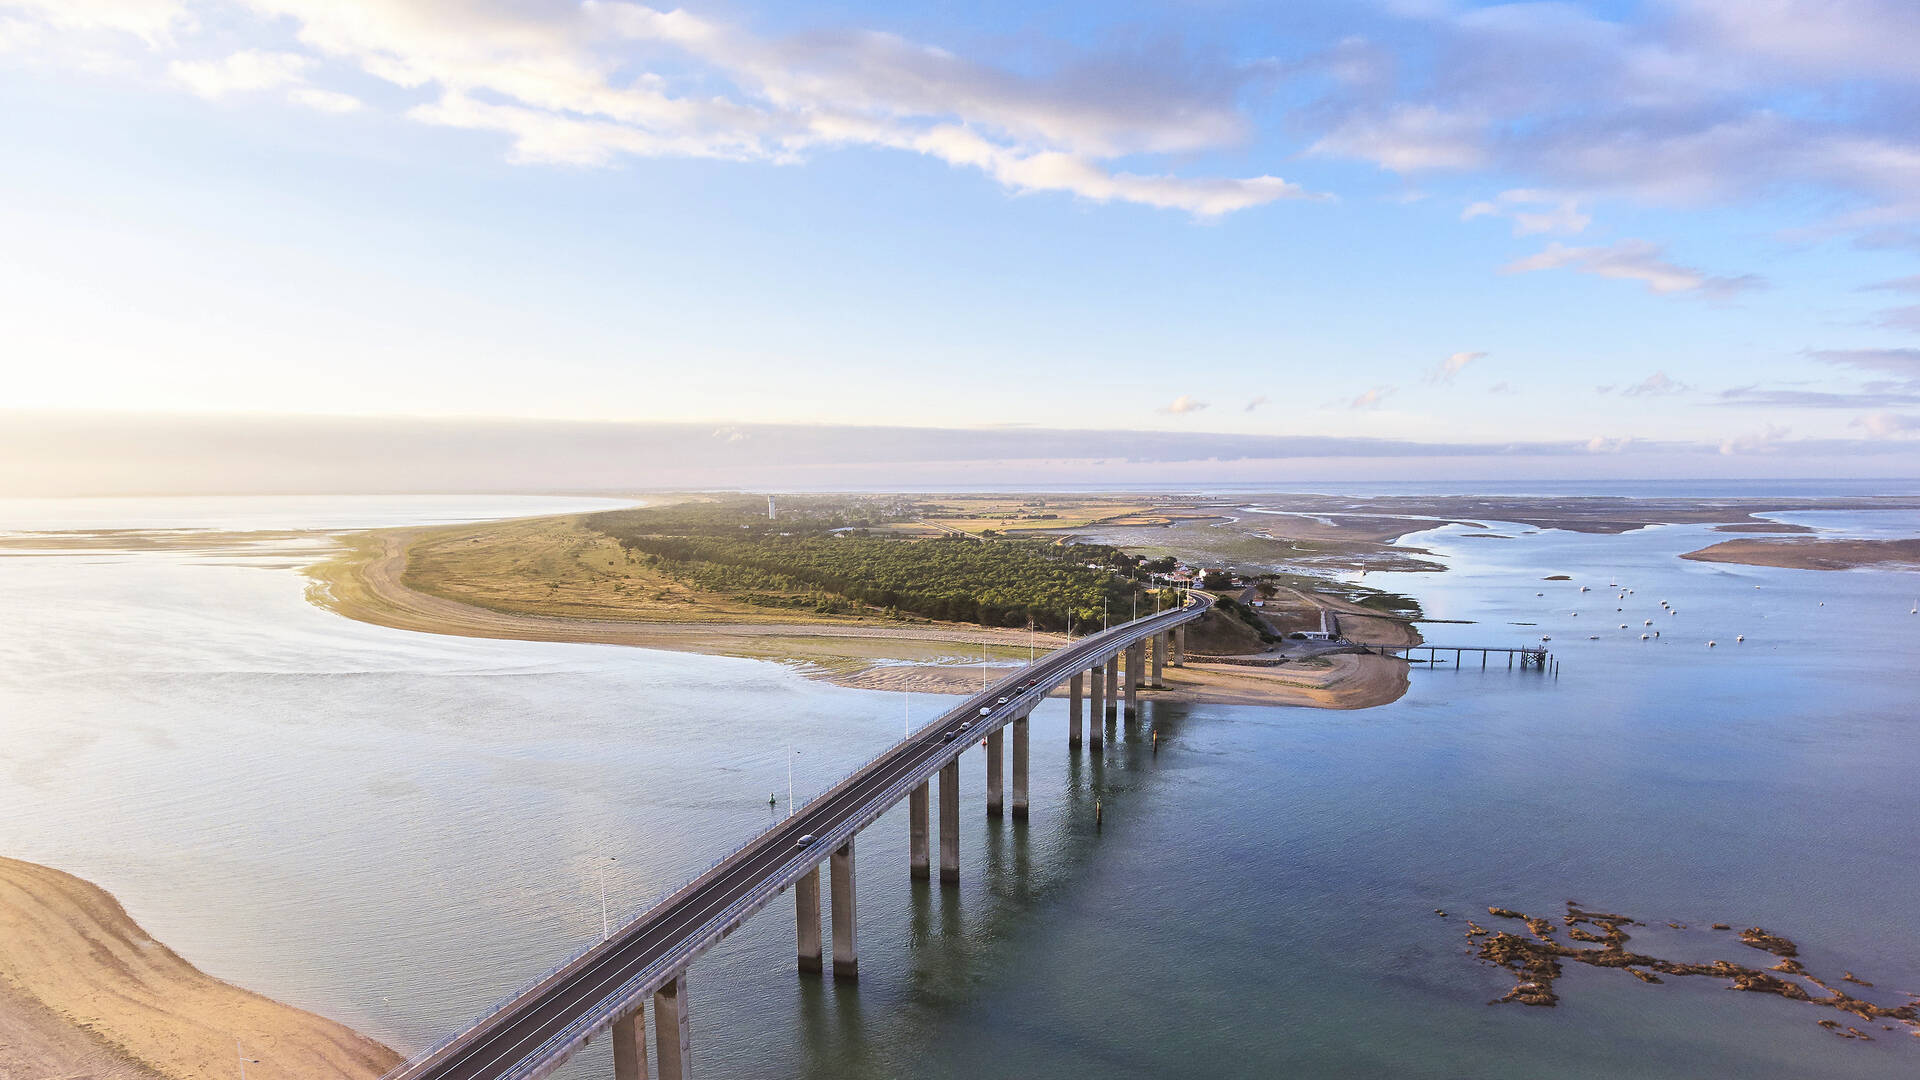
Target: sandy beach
368,584
1340,681
84,992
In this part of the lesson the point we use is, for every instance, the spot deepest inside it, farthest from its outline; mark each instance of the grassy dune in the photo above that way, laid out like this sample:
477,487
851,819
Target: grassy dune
559,568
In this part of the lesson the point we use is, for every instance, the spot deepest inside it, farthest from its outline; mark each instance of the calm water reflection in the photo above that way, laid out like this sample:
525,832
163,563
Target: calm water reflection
394,829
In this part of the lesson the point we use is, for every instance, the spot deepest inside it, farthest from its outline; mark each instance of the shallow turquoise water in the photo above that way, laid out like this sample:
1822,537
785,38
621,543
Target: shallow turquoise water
394,828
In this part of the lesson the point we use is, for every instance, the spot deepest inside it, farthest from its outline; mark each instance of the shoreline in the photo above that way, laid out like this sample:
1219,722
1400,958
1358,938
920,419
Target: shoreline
1807,553
365,582
84,991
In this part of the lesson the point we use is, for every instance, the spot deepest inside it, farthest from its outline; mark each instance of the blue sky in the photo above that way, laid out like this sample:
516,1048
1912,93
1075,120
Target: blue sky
1662,232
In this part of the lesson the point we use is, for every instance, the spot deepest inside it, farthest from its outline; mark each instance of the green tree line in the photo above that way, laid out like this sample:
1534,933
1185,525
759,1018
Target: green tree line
1002,582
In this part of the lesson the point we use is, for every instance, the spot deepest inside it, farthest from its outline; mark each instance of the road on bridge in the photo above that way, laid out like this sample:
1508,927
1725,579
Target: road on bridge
519,1038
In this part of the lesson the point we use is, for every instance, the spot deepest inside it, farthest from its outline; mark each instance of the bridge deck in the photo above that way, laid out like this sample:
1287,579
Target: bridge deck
539,1028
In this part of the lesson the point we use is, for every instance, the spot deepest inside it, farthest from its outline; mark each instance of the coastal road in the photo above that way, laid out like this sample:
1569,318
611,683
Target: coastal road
530,1034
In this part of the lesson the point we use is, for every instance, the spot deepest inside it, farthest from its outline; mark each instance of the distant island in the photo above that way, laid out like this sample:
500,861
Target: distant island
1810,553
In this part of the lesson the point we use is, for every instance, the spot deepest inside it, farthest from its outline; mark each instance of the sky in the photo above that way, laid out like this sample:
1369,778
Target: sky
1073,241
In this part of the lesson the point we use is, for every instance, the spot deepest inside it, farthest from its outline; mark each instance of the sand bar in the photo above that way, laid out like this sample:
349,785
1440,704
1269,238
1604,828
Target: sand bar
1805,553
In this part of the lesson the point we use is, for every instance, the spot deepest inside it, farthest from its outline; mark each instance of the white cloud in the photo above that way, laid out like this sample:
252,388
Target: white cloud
1255,403
1768,438
1185,403
591,83
1842,38
1410,138
152,21
1677,103
1059,171
254,70
1600,444
1453,365
19,35
1886,425
1632,260
1533,212
1372,398
1658,384
1910,284
1682,102
541,137
330,101
241,72
1906,317
1904,362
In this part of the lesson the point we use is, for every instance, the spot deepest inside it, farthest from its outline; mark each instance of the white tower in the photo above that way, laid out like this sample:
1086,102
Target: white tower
769,508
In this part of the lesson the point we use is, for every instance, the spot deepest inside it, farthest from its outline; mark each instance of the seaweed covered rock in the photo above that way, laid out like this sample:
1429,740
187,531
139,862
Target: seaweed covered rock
1537,961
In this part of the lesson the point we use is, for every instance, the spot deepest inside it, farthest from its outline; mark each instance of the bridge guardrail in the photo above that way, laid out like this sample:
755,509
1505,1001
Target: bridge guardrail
761,894
540,981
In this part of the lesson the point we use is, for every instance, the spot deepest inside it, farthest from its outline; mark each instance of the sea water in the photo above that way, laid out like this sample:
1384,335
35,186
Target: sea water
395,829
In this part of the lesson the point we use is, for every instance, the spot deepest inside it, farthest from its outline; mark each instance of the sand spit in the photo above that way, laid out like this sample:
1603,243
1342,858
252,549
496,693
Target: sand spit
84,992
369,585
1804,553
1764,527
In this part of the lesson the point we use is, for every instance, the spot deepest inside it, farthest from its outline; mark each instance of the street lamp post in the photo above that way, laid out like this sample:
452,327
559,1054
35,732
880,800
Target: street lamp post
605,931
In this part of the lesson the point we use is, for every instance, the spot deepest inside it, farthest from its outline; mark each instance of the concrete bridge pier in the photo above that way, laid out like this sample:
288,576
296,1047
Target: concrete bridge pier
996,759
950,823
672,1045
1160,647
806,917
1135,651
1098,702
1113,685
846,960
1020,768
630,1045
917,832
1180,646
1074,686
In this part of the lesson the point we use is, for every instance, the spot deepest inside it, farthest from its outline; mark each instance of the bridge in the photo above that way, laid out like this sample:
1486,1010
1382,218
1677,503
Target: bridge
606,986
